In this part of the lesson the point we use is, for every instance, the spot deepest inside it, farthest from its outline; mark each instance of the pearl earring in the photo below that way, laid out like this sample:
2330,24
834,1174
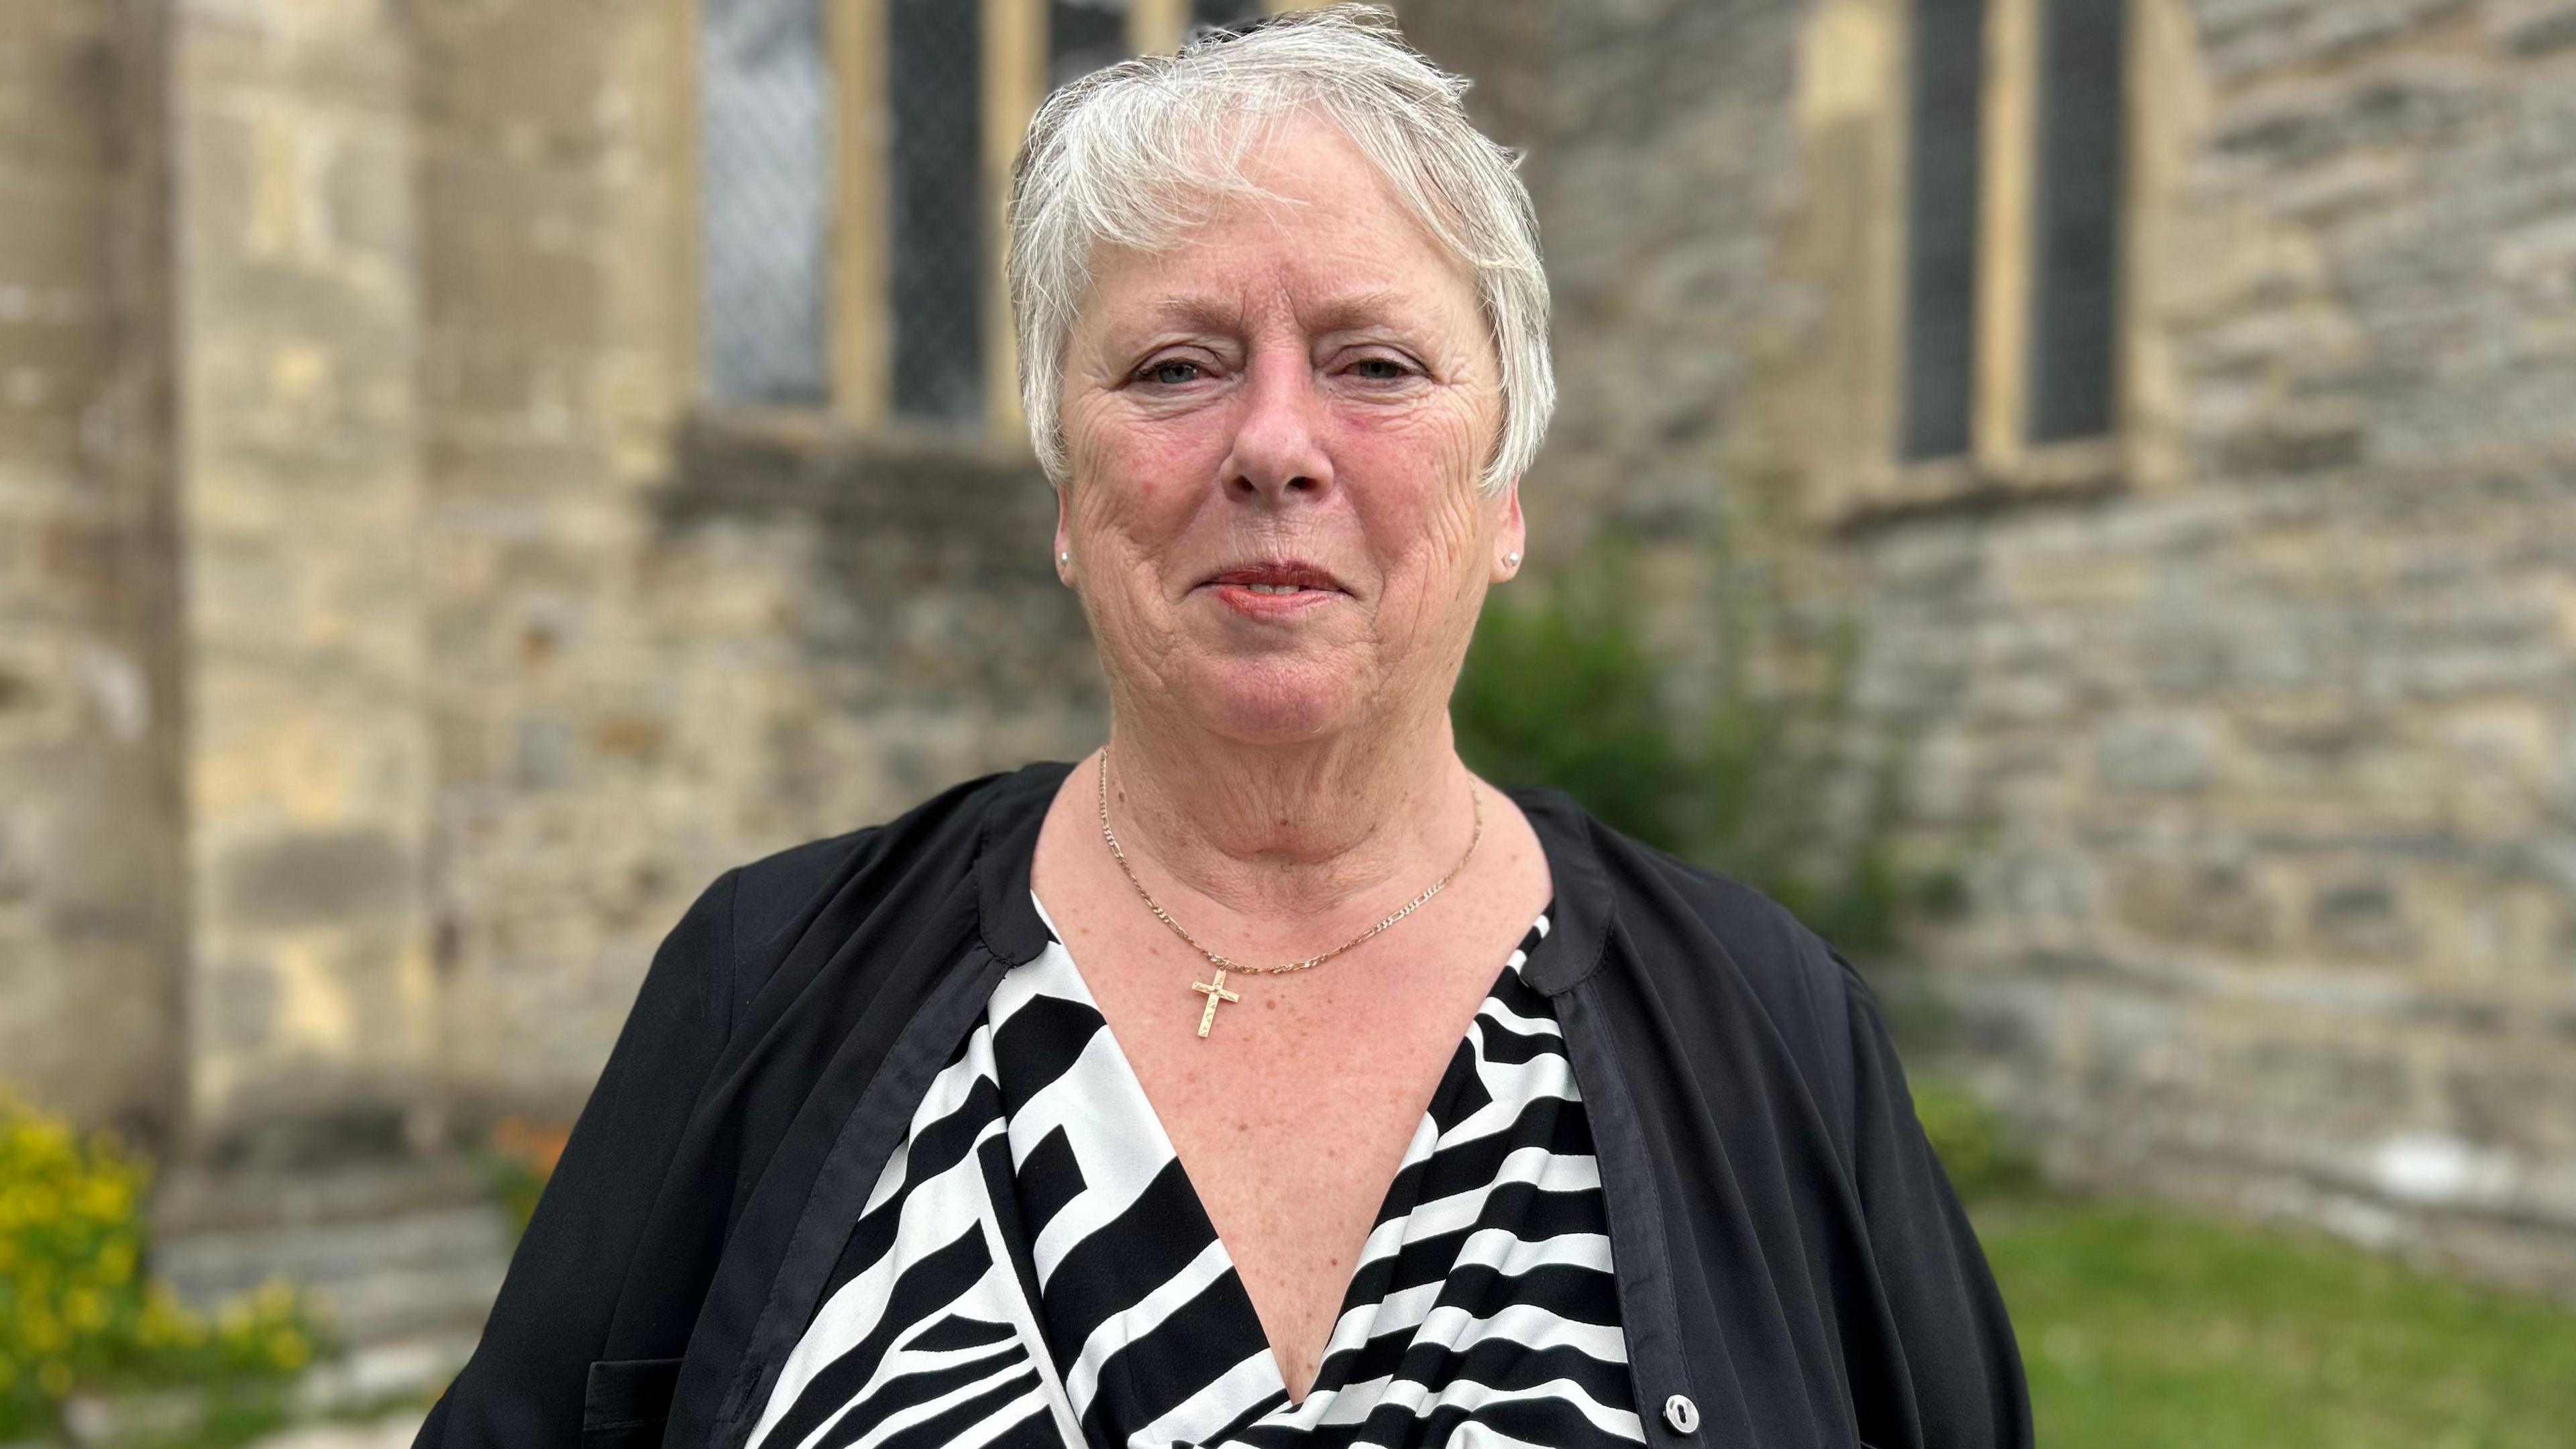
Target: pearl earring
1064,558
1512,560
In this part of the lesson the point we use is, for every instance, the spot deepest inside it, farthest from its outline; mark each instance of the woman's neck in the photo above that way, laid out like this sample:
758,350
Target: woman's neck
1293,836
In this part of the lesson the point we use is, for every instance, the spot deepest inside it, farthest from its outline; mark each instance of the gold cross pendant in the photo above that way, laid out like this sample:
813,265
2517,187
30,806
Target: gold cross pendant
1216,992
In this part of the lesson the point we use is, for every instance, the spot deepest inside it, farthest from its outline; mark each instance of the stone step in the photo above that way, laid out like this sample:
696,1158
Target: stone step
391,1277
368,1397
395,1431
388,1251
191,1199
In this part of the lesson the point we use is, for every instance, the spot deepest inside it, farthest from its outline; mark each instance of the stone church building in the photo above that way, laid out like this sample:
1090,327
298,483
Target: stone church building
473,470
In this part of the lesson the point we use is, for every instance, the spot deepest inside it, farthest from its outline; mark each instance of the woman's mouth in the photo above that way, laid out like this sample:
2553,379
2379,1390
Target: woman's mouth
1271,601
1272,590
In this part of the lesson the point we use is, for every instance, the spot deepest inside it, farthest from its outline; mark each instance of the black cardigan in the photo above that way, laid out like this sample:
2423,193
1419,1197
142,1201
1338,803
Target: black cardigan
1791,1260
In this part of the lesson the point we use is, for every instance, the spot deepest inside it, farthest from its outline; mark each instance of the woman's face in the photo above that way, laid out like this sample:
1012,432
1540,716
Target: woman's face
1276,431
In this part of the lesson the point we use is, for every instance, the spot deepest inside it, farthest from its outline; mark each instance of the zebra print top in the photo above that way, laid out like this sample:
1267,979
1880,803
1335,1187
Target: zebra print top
1034,1269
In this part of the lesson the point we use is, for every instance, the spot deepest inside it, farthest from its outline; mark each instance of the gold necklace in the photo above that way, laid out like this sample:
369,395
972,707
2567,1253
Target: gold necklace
1215,990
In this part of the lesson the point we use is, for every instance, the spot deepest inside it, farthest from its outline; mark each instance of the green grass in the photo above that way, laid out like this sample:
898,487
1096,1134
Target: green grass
2148,1329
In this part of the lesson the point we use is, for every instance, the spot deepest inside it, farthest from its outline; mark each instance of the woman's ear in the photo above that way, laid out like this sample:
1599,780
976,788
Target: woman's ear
1511,536
1063,536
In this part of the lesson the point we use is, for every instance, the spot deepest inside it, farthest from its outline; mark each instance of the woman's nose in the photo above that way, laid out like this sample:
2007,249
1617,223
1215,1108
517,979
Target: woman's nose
1279,449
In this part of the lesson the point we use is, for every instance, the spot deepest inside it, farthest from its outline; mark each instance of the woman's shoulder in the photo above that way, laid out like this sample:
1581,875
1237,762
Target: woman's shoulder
1700,934
1764,936
941,836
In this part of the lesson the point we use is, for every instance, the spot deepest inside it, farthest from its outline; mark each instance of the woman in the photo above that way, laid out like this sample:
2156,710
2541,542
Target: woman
1265,1077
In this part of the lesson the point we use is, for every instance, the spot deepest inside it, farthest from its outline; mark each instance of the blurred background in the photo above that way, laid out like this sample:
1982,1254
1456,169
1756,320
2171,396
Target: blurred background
2076,497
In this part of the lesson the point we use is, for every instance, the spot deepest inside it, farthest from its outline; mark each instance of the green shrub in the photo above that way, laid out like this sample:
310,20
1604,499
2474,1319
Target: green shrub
1559,690
1976,1147
77,1308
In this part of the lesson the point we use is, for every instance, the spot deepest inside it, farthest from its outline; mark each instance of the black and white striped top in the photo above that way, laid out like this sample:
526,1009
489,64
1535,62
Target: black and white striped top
1033,1267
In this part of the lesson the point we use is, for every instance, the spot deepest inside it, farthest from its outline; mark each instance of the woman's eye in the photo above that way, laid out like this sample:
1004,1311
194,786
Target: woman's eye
1379,369
1173,373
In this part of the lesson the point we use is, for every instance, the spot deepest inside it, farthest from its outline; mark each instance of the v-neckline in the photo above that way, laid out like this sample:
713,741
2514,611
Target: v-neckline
1239,1294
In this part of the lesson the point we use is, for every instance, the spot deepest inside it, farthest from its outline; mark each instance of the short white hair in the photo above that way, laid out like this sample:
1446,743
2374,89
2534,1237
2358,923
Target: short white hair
1127,157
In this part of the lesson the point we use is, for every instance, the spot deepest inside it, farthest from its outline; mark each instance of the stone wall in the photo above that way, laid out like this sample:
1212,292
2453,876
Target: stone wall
661,648
379,603
2283,758
2264,773
89,819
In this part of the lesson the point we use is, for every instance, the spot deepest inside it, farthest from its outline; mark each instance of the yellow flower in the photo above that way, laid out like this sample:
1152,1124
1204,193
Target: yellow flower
275,1298
164,1330
86,1309
170,1319
115,1261
106,1199
288,1350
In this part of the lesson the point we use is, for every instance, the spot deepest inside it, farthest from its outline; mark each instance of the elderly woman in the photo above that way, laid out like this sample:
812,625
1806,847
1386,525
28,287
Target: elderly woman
1265,1078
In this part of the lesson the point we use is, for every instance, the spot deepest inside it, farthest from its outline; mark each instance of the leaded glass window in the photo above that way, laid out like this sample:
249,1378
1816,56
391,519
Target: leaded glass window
1225,14
936,193
1947,139
765,201
1083,36
2075,286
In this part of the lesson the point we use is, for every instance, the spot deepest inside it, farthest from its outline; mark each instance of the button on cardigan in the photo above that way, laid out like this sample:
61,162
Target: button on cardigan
1792,1266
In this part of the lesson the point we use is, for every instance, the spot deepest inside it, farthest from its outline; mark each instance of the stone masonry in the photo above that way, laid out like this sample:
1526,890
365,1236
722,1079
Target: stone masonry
485,664
90,848
388,658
